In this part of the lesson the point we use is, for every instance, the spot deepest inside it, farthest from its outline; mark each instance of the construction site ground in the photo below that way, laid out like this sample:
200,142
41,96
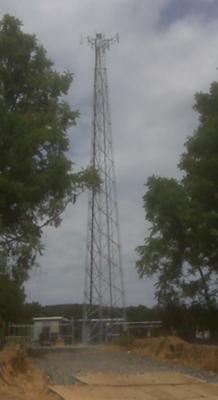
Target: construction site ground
106,372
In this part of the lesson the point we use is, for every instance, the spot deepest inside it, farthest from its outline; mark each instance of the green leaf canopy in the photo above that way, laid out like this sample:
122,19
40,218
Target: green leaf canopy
181,250
36,177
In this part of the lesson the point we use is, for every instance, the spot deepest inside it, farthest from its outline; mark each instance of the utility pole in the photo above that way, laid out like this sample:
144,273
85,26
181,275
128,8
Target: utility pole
104,299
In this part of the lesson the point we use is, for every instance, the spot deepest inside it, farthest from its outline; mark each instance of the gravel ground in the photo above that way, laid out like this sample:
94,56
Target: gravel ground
62,366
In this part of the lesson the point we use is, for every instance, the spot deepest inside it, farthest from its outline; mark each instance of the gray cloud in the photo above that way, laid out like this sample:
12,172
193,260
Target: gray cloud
163,58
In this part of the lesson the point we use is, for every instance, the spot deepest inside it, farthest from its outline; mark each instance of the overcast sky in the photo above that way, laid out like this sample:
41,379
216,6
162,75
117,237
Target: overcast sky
167,51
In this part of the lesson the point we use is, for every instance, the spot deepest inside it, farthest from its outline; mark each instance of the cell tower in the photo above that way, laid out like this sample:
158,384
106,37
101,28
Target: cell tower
104,300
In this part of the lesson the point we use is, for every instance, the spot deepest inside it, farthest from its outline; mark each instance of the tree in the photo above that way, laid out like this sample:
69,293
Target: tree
182,248
200,163
11,299
36,178
29,311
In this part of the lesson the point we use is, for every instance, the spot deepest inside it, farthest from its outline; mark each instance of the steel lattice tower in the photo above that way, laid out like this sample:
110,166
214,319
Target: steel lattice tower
104,300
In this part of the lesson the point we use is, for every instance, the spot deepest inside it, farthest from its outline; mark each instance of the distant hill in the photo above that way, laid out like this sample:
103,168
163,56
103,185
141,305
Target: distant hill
75,311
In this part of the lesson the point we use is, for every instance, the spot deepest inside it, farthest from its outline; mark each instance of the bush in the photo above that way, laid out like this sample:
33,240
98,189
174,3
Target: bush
124,341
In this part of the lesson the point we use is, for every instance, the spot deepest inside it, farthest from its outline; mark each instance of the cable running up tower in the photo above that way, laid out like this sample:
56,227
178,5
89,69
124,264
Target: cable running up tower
104,302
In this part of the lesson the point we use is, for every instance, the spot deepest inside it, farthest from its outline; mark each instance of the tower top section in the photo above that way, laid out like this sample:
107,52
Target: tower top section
101,42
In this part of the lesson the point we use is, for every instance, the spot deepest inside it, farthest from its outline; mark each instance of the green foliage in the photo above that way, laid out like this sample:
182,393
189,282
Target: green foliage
63,310
163,251
142,313
182,247
200,163
11,299
29,311
124,340
36,178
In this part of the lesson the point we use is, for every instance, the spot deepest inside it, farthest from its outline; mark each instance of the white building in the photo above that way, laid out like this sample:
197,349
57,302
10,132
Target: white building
47,330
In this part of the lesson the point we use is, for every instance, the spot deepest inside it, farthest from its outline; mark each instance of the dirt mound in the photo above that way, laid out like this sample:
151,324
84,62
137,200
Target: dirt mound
178,351
13,361
19,378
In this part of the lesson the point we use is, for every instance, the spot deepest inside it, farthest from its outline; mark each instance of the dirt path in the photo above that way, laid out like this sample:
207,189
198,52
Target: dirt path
148,386
63,366
99,373
102,373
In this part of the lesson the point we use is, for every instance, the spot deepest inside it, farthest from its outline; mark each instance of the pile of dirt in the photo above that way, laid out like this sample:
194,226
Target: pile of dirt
19,378
178,351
